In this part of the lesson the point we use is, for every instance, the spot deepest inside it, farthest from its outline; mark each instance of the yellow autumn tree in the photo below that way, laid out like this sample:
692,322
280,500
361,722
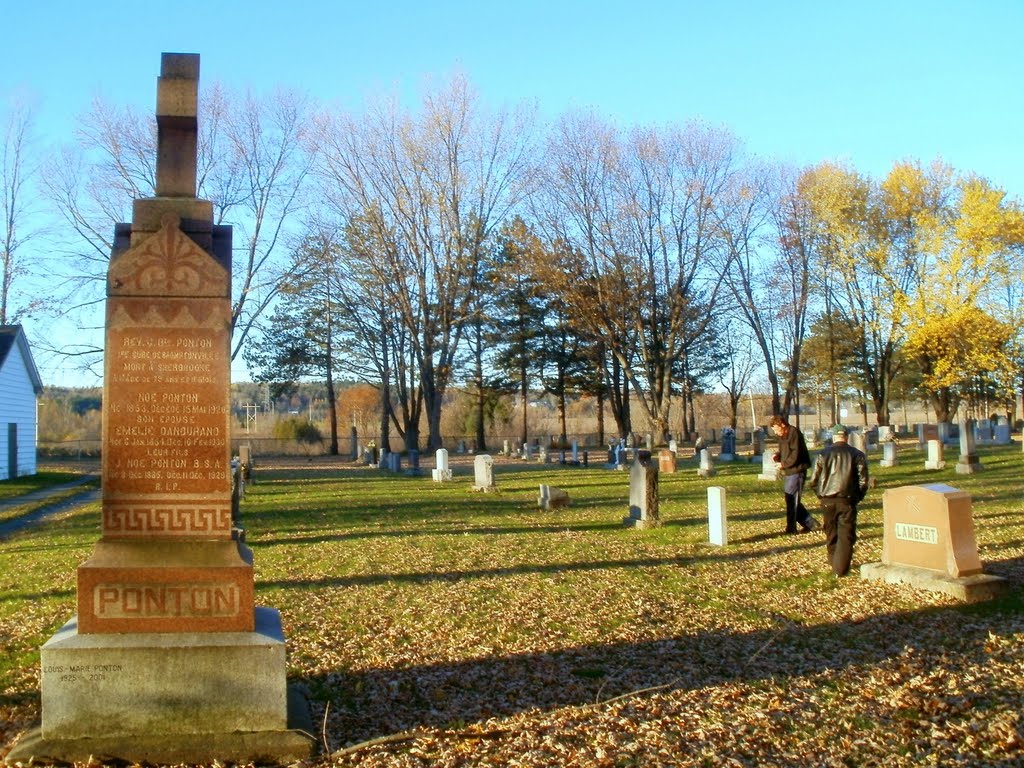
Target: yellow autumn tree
962,347
960,234
859,275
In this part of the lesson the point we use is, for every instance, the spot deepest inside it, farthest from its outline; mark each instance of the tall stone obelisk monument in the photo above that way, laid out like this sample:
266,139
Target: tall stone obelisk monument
168,659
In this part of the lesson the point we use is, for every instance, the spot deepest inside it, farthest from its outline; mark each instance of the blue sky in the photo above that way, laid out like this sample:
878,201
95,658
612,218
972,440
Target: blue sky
869,83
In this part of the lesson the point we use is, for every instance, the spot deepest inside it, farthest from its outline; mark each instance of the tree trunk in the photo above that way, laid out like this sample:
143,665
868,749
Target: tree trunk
332,404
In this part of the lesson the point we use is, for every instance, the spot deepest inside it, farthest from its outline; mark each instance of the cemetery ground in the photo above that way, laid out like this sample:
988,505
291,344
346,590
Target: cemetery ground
434,626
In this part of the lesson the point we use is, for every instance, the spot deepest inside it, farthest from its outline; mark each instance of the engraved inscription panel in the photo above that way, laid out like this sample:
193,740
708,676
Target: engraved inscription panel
925,534
167,441
159,601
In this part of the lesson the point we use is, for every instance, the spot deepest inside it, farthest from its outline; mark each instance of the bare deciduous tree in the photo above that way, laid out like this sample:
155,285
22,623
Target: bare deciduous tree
19,225
432,187
252,164
637,215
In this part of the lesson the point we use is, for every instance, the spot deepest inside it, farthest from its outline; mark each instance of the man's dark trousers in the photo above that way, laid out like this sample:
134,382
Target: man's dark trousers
840,532
796,512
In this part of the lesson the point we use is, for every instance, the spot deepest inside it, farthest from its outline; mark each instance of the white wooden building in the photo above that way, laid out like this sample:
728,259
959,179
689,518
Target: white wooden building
20,387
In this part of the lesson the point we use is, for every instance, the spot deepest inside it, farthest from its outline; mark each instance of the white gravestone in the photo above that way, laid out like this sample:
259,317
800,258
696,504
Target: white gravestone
707,466
936,458
483,473
718,532
769,467
889,458
441,471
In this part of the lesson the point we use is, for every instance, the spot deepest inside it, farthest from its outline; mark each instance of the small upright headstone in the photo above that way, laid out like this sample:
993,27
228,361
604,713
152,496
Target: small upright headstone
575,452
968,463
666,461
936,458
756,445
620,457
945,432
643,493
542,455
718,532
926,432
769,467
552,497
673,446
483,473
354,444
526,452
1001,432
889,456
505,450
414,463
856,440
707,466
441,471
245,457
728,452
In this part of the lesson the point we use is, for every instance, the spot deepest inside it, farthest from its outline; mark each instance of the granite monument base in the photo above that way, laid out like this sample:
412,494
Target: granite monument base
168,698
969,589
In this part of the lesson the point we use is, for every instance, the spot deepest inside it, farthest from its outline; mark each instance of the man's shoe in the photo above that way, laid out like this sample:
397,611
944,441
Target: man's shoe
812,525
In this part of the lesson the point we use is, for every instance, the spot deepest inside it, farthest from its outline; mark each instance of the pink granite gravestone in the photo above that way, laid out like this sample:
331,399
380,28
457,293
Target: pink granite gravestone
168,659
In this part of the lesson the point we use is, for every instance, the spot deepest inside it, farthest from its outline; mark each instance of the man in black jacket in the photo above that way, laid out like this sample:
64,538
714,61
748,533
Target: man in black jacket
840,479
795,461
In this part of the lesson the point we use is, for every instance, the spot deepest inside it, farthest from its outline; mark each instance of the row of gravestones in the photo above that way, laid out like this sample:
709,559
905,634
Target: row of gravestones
667,461
913,544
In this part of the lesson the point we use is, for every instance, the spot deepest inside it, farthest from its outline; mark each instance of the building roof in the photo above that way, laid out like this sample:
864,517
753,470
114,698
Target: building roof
14,334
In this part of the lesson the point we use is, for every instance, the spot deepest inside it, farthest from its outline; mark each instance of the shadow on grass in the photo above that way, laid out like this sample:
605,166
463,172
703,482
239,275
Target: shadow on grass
424,577
469,530
375,702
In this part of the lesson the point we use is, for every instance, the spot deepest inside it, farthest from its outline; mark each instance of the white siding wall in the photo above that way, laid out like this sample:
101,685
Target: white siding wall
17,404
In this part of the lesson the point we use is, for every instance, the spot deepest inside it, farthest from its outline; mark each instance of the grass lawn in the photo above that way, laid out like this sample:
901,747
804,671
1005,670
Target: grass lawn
490,632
